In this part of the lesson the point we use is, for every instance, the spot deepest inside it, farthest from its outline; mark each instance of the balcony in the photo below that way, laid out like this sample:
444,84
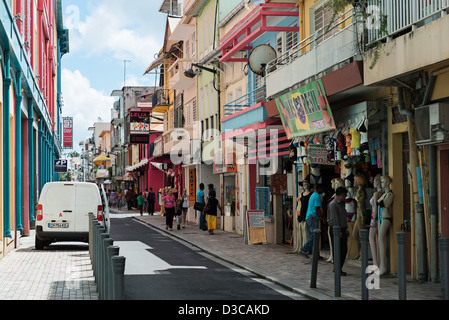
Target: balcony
160,101
326,49
415,27
178,81
173,137
245,111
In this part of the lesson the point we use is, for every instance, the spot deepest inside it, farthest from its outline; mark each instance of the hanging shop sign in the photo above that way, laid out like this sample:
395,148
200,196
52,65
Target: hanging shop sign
306,111
60,166
256,227
317,154
68,133
192,185
139,127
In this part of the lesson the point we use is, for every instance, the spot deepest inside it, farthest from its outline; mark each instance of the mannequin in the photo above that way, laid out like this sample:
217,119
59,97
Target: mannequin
335,183
374,220
315,174
385,218
302,233
360,197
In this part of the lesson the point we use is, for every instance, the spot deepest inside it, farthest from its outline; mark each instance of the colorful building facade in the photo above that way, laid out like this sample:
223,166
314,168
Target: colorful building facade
33,41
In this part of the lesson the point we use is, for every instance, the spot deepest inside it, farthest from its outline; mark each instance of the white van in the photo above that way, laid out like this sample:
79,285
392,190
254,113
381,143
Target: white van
63,212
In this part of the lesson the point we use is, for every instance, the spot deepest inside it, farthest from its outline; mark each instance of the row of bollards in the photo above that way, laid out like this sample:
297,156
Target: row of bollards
108,266
365,280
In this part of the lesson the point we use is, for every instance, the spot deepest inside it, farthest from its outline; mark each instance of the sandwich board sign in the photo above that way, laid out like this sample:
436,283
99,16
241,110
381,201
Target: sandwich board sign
256,227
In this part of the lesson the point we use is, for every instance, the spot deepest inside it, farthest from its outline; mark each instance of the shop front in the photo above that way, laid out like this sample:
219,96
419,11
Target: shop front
342,146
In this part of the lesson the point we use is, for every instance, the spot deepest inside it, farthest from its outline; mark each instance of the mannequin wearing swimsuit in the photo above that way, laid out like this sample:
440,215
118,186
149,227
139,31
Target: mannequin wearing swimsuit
373,231
385,218
360,198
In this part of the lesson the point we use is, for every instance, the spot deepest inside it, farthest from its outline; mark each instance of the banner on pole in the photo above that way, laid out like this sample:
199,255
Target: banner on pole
67,124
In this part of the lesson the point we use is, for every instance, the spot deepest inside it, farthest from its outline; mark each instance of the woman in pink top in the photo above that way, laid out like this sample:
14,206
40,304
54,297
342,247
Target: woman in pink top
169,205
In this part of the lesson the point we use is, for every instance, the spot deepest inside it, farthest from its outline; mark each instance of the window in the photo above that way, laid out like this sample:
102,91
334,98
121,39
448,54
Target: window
194,111
323,16
187,49
193,43
291,38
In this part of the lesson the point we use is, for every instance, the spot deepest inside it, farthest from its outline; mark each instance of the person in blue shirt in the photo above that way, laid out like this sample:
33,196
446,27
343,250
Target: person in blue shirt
314,212
200,199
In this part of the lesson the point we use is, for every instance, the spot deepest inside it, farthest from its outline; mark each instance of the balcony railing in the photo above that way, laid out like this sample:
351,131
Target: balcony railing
328,47
178,81
402,14
256,96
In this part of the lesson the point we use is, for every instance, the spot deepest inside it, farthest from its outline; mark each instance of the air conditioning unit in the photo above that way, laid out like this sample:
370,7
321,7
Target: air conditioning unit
432,124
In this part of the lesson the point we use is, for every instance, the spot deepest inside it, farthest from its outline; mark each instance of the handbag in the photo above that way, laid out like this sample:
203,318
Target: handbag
198,206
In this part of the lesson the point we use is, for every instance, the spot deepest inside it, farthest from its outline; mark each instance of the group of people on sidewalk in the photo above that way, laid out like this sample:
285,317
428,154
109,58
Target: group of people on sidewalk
206,208
336,217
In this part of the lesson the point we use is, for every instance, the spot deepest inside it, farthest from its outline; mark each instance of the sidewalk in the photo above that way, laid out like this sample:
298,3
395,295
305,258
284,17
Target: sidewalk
278,264
60,272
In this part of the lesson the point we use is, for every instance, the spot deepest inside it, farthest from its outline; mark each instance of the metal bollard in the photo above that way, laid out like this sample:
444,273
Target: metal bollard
364,233
101,265
97,231
443,243
91,223
401,265
118,271
316,253
112,251
106,266
337,261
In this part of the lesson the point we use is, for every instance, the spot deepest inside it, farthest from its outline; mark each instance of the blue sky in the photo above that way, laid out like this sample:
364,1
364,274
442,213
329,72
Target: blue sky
104,33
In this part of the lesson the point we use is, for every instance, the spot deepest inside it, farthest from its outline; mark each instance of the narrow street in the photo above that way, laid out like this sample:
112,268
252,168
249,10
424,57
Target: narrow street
160,267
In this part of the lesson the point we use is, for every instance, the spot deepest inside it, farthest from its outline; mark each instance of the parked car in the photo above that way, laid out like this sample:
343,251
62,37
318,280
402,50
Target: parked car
63,212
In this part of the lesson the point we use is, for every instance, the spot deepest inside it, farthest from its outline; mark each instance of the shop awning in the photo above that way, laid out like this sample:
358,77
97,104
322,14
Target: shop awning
137,166
156,63
100,159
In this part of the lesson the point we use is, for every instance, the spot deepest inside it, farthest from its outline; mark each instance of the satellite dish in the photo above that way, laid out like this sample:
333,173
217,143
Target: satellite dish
259,58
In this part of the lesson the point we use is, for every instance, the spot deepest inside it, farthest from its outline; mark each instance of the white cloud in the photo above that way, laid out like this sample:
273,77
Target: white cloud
121,29
83,103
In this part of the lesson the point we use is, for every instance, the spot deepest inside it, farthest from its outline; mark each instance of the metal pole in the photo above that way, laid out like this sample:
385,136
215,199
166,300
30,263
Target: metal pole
444,265
106,266
364,246
118,269
112,251
316,253
102,261
401,265
337,261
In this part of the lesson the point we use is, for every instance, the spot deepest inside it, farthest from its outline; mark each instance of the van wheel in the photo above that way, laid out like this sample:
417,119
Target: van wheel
39,245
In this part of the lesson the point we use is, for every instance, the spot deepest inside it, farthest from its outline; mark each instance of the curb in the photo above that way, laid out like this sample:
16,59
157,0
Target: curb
298,290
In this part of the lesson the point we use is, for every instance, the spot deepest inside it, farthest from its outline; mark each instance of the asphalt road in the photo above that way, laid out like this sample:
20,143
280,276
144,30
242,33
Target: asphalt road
160,267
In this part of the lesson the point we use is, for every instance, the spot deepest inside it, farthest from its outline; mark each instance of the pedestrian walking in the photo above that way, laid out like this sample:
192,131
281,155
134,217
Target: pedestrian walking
314,212
199,204
178,213
337,217
211,211
151,201
129,198
169,207
113,199
140,202
185,207
119,199
146,200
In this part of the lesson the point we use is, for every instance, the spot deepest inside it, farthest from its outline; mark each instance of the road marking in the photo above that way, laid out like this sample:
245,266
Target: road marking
140,261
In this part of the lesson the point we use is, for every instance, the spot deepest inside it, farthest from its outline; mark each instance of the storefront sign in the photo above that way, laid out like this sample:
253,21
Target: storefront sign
139,127
306,111
68,133
192,185
317,154
102,174
256,227
224,165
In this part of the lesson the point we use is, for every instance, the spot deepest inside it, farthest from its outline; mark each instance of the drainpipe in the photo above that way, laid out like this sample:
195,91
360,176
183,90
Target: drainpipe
6,148
31,158
18,130
418,207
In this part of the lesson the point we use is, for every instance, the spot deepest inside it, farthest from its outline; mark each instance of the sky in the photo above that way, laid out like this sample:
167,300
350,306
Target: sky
104,33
